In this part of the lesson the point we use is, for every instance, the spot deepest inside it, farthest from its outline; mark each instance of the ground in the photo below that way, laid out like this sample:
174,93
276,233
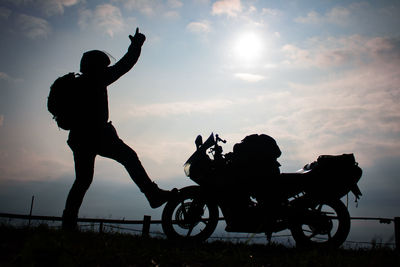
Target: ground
42,246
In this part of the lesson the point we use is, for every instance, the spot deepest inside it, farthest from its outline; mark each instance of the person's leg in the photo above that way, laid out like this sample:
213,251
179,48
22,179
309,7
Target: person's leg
84,169
115,148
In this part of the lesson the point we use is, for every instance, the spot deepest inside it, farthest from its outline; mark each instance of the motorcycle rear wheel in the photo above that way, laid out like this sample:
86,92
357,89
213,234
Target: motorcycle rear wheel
326,225
190,216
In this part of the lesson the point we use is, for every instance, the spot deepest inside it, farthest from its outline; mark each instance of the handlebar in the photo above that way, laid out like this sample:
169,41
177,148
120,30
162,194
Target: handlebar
218,139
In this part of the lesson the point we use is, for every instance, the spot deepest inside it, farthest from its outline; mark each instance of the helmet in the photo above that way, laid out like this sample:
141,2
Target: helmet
94,60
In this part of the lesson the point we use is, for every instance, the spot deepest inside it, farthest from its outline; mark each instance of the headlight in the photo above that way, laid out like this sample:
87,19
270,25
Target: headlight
186,168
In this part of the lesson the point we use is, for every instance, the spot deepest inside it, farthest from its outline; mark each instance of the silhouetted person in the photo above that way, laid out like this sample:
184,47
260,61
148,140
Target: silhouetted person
92,134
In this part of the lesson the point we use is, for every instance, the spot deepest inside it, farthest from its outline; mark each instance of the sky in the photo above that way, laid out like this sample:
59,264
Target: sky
321,77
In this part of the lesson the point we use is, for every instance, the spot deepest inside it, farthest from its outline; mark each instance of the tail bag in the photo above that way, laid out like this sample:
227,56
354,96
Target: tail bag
341,174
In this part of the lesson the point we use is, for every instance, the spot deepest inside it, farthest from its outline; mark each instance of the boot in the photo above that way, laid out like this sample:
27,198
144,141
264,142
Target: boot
156,196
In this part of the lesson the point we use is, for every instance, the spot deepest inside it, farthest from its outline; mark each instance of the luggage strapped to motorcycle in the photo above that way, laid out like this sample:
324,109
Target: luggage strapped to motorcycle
343,168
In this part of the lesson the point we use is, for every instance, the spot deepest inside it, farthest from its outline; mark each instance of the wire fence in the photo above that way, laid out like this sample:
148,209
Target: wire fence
114,225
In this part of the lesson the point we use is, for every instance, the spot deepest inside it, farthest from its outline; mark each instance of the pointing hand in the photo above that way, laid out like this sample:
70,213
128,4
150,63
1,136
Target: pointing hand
138,39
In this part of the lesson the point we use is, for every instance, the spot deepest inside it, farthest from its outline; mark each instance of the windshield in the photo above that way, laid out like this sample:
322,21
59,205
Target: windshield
186,169
202,149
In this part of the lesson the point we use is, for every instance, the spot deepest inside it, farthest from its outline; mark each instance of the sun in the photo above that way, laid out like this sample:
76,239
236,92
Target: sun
248,47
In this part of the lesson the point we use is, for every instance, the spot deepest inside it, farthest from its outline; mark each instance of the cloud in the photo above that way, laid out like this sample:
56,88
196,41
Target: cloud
361,17
179,108
312,17
199,27
231,8
352,50
20,164
336,15
353,108
203,2
349,118
4,13
105,18
159,151
167,9
270,12
249,77
5,77
33,27
147,7
54,7
353,111
17,2
174,3
1,120
48,7
172,14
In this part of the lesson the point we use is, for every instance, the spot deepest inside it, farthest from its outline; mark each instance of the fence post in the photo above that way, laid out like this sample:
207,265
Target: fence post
30,211
101,227
397,232
146,225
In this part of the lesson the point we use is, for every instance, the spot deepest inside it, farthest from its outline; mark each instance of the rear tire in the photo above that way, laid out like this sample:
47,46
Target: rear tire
326,225
190,216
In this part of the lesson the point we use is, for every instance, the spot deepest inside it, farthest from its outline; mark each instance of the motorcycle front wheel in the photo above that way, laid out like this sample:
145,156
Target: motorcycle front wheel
190,216
324,224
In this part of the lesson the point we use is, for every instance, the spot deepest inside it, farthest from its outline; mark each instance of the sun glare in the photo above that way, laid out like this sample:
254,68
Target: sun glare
248,47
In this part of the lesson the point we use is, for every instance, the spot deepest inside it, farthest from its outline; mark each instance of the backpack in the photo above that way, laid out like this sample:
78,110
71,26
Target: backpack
257,156
62,98
255,165
257,147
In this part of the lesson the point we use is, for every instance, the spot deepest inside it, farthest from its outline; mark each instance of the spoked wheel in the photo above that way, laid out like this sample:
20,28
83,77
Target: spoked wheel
190,216
326,224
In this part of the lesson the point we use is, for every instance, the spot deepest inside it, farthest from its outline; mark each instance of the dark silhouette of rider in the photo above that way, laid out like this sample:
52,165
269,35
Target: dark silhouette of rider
92,134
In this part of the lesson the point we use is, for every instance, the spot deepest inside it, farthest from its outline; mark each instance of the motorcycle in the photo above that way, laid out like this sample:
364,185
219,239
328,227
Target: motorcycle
307,202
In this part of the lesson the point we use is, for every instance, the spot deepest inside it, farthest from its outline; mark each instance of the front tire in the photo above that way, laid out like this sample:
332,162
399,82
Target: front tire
326,224
190,216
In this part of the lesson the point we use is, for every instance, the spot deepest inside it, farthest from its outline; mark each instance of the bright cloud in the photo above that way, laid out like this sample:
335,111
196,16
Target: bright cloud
33,27
199,27
249,77
54,7
105,18
177,108
231,8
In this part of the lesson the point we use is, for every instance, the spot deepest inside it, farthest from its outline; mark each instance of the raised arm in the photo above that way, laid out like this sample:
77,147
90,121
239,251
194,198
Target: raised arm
128,60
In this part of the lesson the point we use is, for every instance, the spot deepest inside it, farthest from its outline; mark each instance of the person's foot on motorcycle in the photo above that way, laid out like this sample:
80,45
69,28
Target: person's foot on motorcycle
156,196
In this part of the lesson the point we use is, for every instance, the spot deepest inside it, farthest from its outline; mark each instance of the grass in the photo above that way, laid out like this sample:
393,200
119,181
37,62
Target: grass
43,246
